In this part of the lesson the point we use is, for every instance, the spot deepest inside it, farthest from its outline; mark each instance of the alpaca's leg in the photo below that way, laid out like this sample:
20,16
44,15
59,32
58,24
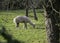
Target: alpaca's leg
17,24
25,25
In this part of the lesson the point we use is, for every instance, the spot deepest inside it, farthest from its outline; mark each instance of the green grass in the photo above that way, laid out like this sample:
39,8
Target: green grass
30,35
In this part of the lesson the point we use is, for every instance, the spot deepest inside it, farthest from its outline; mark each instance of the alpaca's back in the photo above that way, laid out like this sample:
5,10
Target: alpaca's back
21,19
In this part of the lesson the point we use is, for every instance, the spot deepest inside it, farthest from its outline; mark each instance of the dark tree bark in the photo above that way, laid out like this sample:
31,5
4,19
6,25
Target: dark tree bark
52,20
27,8
35,16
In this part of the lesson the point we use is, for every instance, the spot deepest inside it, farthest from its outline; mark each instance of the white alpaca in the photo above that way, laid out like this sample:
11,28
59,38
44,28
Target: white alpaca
22,19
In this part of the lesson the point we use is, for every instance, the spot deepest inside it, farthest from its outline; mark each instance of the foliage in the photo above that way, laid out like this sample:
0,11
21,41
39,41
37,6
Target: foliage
17,4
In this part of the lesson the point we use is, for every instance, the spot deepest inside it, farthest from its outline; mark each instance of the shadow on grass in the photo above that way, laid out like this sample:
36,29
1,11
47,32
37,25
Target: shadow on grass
8,37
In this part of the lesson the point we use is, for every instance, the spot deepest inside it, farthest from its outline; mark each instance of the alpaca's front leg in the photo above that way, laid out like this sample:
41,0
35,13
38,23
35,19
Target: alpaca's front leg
25,25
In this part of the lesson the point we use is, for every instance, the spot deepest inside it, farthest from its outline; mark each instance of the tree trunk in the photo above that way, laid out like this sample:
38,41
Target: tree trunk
35,16
27,8
51,21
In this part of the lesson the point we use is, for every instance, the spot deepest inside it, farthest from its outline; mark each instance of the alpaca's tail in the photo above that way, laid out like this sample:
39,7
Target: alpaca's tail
14,20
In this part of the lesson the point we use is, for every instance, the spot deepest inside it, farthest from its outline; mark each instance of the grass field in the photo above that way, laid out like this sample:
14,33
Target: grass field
30,35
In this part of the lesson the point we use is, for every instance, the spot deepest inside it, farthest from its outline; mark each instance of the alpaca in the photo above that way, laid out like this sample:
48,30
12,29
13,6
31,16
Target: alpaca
22,19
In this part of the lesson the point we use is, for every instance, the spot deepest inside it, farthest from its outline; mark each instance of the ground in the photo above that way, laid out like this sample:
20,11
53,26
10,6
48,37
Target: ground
30,35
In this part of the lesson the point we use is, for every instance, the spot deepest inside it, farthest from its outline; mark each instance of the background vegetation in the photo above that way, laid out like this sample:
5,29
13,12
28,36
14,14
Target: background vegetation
30,35
18,4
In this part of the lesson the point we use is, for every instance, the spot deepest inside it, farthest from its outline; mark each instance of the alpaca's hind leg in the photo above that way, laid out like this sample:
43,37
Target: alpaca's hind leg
17,24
